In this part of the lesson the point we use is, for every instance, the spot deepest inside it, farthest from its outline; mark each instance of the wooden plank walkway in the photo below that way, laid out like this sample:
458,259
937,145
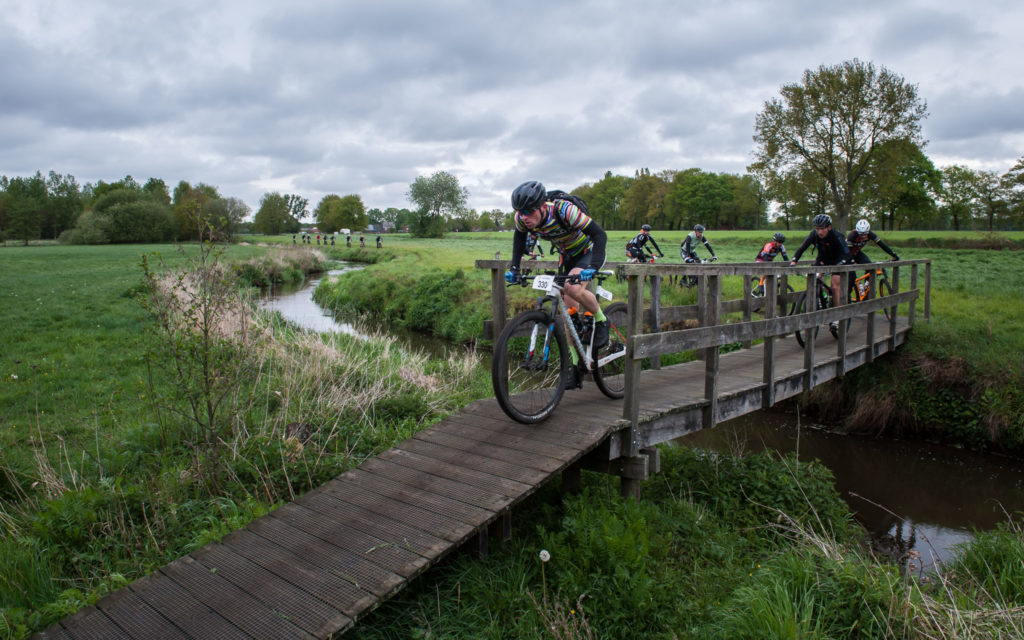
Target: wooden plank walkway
314,566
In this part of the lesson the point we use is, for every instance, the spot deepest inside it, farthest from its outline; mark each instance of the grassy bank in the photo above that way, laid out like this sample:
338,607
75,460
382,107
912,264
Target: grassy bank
110,463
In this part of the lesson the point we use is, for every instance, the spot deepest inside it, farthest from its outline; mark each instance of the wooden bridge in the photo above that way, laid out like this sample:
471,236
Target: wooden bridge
314,566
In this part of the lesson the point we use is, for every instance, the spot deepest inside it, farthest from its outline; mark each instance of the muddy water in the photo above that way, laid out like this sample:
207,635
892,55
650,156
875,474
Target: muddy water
911,496
296,305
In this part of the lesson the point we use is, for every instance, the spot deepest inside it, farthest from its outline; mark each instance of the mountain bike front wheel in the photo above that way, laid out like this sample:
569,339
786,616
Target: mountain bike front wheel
530,367
610,378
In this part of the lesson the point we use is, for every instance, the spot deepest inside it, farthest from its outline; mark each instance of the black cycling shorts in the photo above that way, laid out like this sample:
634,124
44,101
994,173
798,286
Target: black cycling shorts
567,264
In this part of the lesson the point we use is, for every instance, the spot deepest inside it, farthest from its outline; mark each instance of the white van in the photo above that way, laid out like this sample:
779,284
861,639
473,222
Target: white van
345,232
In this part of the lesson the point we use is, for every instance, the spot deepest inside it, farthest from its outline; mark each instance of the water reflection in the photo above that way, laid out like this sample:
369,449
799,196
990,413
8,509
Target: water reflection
297,306
911,496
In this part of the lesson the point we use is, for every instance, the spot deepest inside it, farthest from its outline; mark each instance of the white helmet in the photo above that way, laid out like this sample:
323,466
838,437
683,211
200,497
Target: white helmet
863,226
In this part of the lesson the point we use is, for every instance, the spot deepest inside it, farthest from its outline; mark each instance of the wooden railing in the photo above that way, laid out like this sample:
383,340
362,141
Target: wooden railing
714,322
648,340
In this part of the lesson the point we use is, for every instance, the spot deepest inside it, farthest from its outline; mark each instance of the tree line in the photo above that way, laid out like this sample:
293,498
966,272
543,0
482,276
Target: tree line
844,140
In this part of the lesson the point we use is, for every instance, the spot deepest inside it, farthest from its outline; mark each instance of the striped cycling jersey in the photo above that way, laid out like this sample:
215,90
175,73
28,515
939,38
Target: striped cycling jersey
570,239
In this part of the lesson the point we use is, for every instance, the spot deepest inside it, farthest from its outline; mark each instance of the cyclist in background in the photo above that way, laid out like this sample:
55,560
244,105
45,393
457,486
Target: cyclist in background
831,248
532,246
580,241
688,249
860,236
635,247
772,248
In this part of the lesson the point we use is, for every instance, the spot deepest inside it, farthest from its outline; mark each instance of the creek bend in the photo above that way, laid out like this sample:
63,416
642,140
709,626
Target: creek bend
909,495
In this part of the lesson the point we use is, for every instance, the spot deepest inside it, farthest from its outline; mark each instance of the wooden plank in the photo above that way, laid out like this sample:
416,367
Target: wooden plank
383,554
230,602
439,524
304,571
138,620
91,624
183,609
575,438
526,475
376,524
488,481
458,511
437,485
495,451
288,601
348,565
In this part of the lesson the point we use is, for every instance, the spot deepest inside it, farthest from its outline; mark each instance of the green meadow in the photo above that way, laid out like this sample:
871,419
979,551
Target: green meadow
105,474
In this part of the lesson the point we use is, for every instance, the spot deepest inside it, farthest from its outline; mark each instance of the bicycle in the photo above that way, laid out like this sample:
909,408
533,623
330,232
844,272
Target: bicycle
647,258
757,287
691,281
532,361
823,299
860,290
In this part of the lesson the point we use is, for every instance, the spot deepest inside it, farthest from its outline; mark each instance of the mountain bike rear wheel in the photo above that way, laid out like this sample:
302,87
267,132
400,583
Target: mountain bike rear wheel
885,290
530,367
803,335
611,378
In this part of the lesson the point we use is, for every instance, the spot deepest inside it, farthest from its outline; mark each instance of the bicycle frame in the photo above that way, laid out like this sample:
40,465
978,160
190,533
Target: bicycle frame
856,286
553,290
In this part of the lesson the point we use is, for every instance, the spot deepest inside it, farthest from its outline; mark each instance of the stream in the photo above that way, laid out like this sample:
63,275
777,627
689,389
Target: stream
909,495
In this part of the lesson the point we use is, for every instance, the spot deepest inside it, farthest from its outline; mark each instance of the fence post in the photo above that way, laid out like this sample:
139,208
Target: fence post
928,290
655,314
499,304
631,402
810,304
770,301
895,309
844,284
711,354
913,287
748,301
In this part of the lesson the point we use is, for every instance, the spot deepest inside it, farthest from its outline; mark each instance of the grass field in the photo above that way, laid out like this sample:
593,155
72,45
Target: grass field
93,492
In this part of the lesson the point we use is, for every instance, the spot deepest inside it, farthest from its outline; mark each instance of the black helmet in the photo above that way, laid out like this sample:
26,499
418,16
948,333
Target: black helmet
528,196
778,237
645,227
699,227
822,220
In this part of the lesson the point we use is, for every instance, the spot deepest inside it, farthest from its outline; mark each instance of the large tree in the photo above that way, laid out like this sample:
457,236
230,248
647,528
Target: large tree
335,212
833,123
438,197
902,186
274,215
959,195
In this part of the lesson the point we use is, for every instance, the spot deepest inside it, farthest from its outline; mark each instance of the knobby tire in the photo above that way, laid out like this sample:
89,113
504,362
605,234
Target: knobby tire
611,378
528,387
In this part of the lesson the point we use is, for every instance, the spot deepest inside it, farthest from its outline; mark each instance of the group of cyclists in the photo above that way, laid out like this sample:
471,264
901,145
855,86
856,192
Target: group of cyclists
580,242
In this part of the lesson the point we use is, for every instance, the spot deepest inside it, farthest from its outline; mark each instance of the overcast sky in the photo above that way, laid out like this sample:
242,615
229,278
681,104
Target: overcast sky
362,97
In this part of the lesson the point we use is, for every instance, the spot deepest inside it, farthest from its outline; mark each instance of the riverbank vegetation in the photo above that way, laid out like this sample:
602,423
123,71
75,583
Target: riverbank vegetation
105,474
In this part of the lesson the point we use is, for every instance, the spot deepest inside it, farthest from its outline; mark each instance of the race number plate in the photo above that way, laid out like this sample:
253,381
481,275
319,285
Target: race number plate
604,293
543,283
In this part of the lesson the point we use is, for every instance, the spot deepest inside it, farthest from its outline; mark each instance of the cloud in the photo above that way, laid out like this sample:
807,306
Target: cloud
362,97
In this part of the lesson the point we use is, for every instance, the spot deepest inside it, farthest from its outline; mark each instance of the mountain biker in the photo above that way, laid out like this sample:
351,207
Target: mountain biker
772,248
860,236
580,241
635,247
831,248
533,248
687,250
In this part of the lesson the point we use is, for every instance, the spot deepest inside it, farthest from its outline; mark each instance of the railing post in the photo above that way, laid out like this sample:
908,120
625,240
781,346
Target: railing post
770,301
655,314
844,283
869,329
711,355
499,303
895,309
810,304
748,301
913,287
631,402
928,291
702,307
